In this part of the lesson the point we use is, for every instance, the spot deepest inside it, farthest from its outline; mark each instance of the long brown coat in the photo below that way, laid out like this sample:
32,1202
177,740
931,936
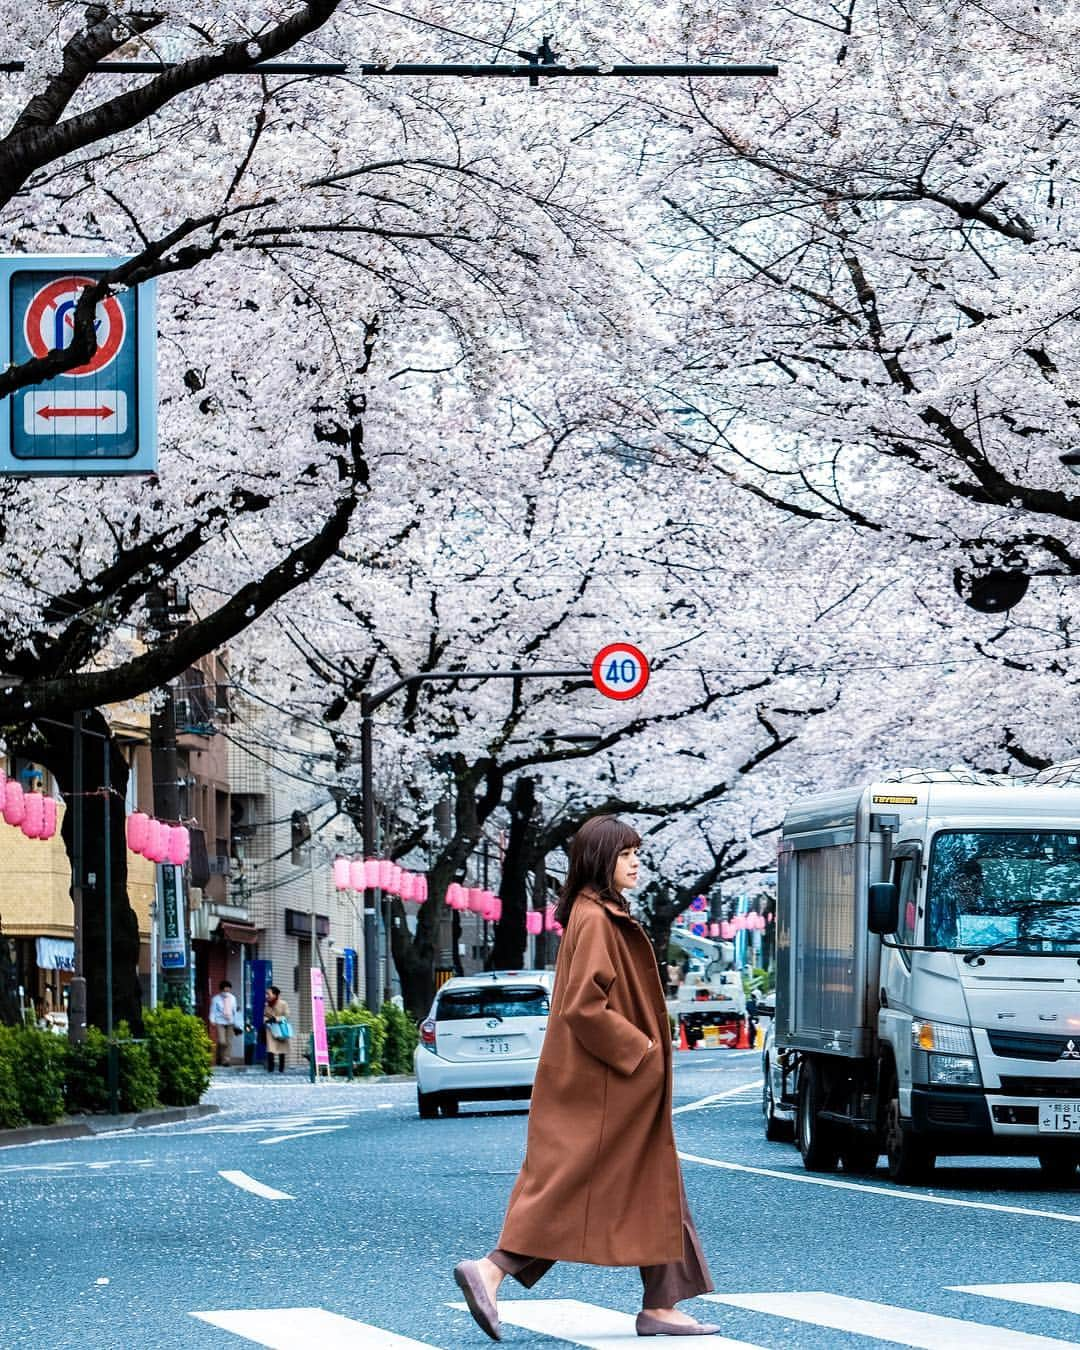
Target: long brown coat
600,1182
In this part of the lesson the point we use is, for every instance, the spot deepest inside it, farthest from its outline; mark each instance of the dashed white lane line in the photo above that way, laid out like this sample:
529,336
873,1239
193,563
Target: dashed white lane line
302,1134
247,1183
742,1089
912,1197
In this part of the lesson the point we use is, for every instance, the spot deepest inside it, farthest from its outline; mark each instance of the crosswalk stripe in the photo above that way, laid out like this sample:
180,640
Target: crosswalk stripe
898,1326
302,1328
588,1325
1060,1294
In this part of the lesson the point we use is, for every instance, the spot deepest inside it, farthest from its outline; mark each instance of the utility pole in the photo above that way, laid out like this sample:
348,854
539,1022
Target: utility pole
77,992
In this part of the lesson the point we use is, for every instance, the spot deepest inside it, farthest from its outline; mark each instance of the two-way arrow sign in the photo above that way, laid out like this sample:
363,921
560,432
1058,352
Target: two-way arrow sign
103,412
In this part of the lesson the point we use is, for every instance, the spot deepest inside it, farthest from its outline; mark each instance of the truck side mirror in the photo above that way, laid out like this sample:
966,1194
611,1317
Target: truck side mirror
884,911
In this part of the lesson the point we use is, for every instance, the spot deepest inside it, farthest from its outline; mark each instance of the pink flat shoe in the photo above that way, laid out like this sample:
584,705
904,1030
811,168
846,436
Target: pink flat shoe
467,1278
645,1325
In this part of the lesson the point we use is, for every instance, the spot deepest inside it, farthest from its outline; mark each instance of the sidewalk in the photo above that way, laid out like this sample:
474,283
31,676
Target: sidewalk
256,1073
80,1127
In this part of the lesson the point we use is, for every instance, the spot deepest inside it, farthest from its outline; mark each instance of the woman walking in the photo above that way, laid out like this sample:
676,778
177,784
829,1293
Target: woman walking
601,1182
278,1028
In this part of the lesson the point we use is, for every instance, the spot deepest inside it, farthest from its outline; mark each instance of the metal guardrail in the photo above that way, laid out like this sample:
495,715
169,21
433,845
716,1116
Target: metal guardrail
348,1045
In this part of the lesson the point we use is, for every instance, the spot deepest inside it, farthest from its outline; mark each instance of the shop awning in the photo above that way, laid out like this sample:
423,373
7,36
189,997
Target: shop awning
240,932
55,953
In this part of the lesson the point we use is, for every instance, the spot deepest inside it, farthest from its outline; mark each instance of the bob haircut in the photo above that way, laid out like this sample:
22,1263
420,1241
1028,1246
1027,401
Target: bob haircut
594,851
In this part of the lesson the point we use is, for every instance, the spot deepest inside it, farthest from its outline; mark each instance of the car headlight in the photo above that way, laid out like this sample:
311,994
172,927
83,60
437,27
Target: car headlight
954,1071
942,1036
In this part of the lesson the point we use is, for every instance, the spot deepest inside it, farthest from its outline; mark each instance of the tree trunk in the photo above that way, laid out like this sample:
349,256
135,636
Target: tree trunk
53,747
508,950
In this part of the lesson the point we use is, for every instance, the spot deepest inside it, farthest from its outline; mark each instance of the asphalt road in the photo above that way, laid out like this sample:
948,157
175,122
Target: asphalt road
139,1239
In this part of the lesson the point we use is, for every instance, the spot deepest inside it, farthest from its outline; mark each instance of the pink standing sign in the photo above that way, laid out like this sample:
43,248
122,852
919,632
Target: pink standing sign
318,1020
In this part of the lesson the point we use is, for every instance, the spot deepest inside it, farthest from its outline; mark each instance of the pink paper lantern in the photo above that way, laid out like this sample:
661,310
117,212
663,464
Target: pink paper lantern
138,827
549,918
179,845
477,899
726,931
496,909
49,827
355,874
33,815
157,842
397,879
453,891
408,886
714,930
14,802
384,871
341,874
534,922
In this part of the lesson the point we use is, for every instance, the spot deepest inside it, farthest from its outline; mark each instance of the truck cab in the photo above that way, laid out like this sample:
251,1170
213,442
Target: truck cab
928,973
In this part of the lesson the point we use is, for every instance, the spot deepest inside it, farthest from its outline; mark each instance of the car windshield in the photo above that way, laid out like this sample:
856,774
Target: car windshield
456,1005
1017,889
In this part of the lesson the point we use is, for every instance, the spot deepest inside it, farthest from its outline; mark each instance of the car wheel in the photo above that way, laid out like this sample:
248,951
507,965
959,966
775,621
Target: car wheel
777,1130
426,1105
859,1153
910,1162
1059,1168
816,1138
449,1106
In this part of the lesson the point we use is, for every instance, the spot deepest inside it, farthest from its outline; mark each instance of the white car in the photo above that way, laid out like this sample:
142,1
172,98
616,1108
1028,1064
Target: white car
481,1040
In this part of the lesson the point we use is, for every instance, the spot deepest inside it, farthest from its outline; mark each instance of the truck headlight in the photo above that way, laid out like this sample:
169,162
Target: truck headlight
943,1037
954,1071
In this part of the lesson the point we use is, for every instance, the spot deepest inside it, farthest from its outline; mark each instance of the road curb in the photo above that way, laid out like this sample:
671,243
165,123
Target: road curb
82,1127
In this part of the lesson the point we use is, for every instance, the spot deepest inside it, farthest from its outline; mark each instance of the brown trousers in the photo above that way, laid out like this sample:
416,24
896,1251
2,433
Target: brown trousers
664,1286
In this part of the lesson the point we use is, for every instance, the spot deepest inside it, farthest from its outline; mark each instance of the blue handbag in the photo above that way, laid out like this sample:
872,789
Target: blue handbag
281,1030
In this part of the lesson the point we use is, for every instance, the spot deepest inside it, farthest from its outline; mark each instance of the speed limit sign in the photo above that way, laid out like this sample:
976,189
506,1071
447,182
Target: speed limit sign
620,670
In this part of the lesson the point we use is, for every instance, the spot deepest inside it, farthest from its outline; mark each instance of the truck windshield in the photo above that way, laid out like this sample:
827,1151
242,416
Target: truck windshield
1015,889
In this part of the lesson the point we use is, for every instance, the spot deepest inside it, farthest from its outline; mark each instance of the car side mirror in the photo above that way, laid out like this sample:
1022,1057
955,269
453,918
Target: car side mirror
884,910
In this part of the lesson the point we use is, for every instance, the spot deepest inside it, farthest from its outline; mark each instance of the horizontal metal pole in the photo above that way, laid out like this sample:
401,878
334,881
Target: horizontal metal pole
463,71
369,702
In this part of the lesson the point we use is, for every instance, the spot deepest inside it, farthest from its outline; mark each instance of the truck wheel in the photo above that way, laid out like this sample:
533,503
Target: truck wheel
816,1138
1059,1168
859,1153
427,1105
777,1130
910,1162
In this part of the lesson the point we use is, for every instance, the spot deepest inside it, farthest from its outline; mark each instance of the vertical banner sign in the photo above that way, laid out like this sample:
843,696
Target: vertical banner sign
99,418
349,975
318,1020
173,937
262,977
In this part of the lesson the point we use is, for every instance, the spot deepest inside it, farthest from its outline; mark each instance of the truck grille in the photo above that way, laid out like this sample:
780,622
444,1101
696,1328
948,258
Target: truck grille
948,1113
1039,1087
1018,1045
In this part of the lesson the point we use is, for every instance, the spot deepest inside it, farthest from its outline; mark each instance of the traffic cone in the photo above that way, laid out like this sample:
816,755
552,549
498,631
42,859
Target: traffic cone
684,1044
743,1042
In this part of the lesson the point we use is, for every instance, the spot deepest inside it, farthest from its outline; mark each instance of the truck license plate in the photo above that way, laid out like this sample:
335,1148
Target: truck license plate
1059,1118
495,1045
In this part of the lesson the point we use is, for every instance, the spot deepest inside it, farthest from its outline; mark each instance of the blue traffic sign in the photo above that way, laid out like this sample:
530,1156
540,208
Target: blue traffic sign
100,418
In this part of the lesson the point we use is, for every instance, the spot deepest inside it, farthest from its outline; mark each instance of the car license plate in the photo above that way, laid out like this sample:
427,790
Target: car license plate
495,1045
1059,1118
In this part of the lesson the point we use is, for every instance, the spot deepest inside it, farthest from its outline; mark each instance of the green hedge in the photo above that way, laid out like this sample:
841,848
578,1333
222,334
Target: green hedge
357,1015
42,1075
182,1053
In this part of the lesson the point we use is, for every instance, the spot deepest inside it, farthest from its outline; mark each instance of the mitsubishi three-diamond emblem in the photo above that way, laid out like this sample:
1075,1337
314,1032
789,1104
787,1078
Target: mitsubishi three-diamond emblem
1071,1051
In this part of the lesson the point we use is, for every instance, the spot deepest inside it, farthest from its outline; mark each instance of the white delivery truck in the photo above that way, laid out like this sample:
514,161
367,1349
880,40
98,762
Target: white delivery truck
928,975
710,1004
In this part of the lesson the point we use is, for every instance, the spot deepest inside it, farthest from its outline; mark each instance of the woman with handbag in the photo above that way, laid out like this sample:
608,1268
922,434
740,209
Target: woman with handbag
601,1182
278,1028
